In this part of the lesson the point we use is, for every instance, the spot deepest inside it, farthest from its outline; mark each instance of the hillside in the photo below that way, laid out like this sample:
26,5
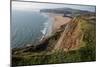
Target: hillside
66,11
73,42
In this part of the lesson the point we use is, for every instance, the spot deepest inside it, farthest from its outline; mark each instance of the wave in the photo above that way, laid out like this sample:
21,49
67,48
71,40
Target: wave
47,26
44,31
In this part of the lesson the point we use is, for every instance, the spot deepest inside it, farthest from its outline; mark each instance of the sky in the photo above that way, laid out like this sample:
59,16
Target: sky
37,6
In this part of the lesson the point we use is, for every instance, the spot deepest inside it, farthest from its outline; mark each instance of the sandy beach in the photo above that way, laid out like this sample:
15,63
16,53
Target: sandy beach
59,20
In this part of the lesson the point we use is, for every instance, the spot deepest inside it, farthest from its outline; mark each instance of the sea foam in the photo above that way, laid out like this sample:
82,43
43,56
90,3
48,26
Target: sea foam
47,30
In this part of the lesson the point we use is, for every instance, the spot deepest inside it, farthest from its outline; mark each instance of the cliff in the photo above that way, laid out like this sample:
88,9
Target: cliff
72,42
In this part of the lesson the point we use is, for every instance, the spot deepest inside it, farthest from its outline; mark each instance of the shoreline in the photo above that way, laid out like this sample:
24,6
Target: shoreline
47,30
57,21
54,22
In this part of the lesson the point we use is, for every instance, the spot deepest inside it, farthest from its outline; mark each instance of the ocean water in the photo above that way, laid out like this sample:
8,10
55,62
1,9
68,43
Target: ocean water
28,27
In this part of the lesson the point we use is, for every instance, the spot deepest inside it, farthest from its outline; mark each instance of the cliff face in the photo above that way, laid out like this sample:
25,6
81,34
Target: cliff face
70,37
74,32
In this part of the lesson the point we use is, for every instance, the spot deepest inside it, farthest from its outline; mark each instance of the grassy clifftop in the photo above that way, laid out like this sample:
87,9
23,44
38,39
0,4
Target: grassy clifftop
73,42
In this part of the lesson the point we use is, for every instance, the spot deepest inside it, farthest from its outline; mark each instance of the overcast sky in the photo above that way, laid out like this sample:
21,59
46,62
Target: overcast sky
37,6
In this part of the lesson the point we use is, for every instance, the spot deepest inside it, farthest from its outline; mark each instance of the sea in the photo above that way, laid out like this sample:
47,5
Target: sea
29,27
